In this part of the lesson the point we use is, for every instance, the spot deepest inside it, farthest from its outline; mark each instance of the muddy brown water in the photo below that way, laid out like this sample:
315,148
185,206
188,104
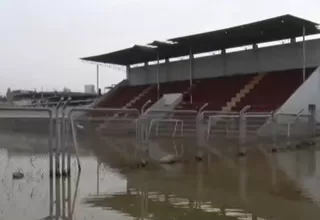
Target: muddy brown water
262,185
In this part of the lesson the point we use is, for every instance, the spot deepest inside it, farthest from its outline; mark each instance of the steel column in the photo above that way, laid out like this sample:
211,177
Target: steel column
304,53
97,79
158,72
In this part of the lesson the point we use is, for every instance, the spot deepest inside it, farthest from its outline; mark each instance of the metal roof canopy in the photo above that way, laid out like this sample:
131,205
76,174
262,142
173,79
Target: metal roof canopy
273,29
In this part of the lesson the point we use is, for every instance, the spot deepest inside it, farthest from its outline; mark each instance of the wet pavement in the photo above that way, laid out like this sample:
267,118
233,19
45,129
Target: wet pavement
262,185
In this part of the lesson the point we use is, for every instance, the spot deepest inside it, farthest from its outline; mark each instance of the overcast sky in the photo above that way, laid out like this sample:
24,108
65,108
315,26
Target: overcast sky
41,41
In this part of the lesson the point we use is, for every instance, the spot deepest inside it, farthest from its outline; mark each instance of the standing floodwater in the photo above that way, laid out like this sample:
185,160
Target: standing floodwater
262,185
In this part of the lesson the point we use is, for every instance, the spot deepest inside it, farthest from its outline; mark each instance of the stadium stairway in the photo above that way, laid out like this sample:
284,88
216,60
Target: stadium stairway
243,92
217,92
138,97
99,102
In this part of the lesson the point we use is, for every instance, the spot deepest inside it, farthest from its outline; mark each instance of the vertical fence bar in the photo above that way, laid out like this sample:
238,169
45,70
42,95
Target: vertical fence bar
312,120
51,202
57,143
243,178
274,131
58,137
63,136
69,198
50,144
74,136
98,176
63,146
242,133
69,148
63,198
58,198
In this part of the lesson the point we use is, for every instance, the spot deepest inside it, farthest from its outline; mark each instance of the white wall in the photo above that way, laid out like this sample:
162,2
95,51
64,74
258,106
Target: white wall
307,93
287,56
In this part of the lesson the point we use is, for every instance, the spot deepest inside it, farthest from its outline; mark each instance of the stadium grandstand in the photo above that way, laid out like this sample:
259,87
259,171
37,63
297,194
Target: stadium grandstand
265,66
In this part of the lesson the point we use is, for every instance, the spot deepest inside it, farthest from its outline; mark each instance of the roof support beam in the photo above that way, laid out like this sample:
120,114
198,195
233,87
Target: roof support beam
304,53
158,72
98,77
255,49
224,60
128,72
191,72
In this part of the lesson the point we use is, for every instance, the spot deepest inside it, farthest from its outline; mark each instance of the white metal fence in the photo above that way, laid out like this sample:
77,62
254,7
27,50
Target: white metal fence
128,131
169,124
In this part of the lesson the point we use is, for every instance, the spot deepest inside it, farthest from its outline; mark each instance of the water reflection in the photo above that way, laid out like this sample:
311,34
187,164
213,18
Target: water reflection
257,187
62,205
262,185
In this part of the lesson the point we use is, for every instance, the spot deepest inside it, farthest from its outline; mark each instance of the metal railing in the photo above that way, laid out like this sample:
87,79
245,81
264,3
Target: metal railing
50,126
203,128
126,131
118,129
143,108
57,128
169,123
293,127
219,124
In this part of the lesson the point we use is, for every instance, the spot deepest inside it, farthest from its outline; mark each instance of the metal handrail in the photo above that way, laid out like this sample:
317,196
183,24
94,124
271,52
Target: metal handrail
300,112
257,115
203,107
145,105
219,113
245,109
175,121
172,111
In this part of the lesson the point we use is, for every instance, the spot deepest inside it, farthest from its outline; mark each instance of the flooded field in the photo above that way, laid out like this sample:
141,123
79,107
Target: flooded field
262,185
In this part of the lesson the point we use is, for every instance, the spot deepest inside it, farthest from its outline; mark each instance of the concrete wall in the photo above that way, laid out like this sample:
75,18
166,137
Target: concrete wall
281,57
307,93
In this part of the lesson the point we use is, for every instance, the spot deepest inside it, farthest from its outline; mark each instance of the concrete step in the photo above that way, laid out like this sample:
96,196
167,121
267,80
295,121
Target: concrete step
243,92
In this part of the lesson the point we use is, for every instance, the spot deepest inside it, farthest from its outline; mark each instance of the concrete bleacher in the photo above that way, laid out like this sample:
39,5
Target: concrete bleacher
273,90
215,91
262,91
136,96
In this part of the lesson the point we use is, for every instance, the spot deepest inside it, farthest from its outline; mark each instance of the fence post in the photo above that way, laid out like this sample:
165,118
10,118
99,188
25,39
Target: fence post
58,143
312,120
58,136
274,131
63,136
243,178
51,137
200,135
68,132
242,132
